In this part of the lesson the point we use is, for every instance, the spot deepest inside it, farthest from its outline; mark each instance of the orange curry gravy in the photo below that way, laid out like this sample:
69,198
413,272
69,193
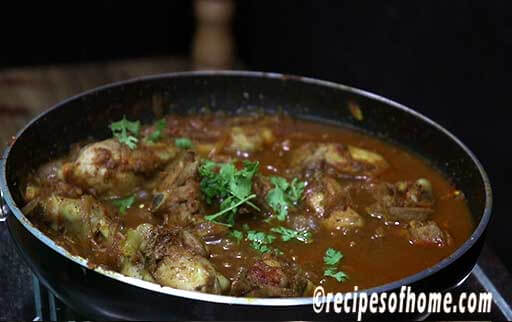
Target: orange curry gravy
374,253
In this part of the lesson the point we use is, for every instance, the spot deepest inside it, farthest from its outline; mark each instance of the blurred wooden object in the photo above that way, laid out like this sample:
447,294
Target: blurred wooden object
26,92
213,44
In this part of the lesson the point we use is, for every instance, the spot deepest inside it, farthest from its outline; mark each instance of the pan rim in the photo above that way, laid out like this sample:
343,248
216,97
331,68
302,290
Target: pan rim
224,299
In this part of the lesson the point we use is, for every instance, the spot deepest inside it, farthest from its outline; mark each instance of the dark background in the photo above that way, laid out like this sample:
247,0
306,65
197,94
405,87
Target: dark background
445,59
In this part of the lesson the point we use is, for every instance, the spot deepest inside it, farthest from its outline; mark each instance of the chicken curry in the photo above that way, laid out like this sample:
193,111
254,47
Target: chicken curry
256,205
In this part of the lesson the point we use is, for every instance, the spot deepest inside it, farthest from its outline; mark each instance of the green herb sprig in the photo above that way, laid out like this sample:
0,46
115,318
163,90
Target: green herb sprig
283,195
126,132
124,203
232,187
260,240
332,258
183,143
237,235
157,133
290,234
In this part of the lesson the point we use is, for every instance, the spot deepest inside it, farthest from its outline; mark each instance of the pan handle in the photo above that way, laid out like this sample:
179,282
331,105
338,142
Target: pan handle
4,211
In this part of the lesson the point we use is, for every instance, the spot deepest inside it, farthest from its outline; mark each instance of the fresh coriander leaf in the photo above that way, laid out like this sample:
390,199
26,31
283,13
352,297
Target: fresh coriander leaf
124,204
332,257
338,275
270,238
240,183
289,234
237,235
260,240
157,133
296,190
283,195
183,143
280,183
207,168
228,206
232,187
277,202
250,168
286,234
131,126
126,132
262,248
212,184
245,227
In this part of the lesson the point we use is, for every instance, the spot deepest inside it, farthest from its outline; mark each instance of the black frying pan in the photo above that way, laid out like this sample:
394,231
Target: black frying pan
102,294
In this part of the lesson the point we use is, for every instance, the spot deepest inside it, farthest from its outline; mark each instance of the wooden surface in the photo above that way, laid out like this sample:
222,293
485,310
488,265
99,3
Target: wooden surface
26,92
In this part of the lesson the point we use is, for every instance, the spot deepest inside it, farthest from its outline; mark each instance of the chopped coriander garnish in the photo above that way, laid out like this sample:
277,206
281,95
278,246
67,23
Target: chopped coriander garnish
332,256
237,235
224,182
331,260
296,189
260,240
157,133
228,206
289,234
338,275
126,132
183,143
276,197
124,204
283,195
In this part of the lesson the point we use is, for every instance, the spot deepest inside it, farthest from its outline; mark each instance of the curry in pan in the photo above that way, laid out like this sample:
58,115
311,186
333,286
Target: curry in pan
255,205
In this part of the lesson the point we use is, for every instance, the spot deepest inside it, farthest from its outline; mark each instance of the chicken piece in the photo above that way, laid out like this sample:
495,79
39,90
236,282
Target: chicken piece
110,169
330,202
261,186
249,138
59,188
301,222
173,261
51,171
343,219
135,270
182,270
403,200
210,230
133,262
32,191
427,233
134,239
324,192
193,243
49,177
85,218
204,149
270,277
342,160
178,195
